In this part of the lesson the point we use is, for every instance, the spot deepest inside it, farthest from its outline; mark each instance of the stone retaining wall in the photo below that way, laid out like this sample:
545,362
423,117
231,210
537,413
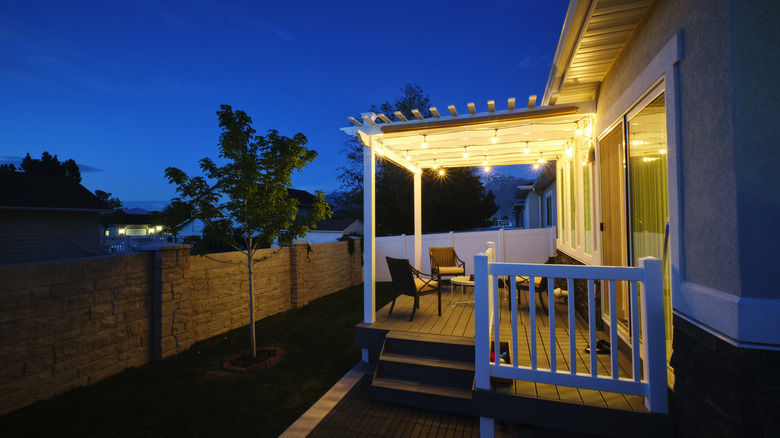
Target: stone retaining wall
70,323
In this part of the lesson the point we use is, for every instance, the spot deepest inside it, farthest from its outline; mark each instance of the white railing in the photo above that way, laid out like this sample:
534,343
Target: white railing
647,345
515,246
117,245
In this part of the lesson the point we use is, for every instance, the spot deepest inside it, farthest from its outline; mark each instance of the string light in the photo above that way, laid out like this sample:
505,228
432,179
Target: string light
579,130
441,172
527,149
484,162
434,164
465,153
662,151
536,166
408,157
425,141
495,136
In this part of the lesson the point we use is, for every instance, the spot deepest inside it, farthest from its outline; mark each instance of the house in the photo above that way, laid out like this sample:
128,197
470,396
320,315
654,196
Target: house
134,222
47,217
536,204
331,230
660,117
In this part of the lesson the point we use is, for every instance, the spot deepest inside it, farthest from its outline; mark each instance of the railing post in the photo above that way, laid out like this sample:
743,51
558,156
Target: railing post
654,334
481,322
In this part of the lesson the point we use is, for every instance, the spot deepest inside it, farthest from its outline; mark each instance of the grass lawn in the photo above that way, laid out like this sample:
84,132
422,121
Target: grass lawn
188,395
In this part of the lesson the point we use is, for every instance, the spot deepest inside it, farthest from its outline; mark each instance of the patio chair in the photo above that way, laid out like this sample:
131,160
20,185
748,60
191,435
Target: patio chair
409,281
445,262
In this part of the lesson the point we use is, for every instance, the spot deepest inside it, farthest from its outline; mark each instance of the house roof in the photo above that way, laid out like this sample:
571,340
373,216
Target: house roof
304,198
22,190
593,35
335,224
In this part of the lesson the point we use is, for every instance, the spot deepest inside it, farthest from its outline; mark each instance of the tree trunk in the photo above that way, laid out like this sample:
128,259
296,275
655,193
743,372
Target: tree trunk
252,348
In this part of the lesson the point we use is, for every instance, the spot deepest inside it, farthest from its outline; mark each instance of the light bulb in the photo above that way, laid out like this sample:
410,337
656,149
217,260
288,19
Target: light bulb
425,142
495,137
536,166
441,172
465,153
662,151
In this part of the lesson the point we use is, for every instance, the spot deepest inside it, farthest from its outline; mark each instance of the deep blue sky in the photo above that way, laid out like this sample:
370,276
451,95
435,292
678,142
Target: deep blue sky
128,88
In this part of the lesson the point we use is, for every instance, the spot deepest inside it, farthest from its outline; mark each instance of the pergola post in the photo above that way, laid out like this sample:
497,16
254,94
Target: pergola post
369,255
418,220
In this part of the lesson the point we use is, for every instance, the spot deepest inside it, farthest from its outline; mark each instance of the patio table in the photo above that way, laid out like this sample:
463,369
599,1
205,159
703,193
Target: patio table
463,282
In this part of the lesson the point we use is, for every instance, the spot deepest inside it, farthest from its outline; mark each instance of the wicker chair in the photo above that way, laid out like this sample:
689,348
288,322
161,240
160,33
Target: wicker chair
409,281
445,262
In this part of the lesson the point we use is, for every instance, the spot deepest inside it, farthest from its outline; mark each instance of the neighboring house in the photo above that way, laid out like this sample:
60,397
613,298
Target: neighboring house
331,230
134,222
657,112
46,217
536,204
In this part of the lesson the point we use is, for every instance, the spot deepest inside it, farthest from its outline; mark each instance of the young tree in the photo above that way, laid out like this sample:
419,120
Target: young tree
248,206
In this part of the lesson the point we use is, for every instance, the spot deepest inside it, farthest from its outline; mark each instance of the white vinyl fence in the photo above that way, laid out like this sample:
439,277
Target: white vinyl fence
514,246
118,245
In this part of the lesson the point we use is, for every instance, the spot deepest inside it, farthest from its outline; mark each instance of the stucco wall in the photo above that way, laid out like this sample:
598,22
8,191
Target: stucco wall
70,323
708,195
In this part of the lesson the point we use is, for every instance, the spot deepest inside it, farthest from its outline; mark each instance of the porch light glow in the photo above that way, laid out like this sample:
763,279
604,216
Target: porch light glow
441,172
487,169
495,137
662,151
484,162
408,157
536,166
465,153
121,231
425,141
434,164
527,149
159,228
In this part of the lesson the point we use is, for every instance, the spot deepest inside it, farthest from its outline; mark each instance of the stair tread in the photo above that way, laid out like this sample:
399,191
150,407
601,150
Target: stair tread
423,337
405,385
427,361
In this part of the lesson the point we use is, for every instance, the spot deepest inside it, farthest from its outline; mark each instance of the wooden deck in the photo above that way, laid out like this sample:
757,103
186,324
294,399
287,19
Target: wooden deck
458,320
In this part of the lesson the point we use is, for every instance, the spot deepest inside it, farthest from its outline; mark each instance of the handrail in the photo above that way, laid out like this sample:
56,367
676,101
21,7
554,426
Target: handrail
645,284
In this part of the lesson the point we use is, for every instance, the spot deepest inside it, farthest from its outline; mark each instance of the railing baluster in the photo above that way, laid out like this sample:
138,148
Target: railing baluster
513,314
572,329
635,346
613,330
551,316
532,320
592,326
496,320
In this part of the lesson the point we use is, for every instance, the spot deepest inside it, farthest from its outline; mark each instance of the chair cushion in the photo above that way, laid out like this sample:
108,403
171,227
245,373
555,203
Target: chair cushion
451,270
432,285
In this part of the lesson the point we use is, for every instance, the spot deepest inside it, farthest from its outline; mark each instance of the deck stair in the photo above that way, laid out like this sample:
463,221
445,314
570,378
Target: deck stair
425,370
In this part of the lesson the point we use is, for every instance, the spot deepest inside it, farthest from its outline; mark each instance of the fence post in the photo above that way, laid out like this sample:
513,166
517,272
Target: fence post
653,328
403,247
481,322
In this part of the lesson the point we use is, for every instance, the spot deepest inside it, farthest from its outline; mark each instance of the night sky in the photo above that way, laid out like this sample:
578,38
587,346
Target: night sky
128,88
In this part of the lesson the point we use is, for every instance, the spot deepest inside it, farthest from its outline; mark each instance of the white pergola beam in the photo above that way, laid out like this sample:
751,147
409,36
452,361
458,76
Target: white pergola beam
354,121
531,101
400,116
491,106
472,108
435,112
453,111
417,114
510,104
384,118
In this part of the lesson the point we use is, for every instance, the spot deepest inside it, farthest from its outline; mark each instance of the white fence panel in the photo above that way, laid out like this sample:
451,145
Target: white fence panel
515,246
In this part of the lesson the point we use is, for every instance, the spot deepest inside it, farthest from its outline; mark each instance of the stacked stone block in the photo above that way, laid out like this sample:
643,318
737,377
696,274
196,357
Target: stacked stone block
70,323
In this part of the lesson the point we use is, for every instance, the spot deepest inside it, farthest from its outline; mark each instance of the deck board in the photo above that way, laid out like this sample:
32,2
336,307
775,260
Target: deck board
458,320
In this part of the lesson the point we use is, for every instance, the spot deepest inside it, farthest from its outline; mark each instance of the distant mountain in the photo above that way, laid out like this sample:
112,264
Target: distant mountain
504,187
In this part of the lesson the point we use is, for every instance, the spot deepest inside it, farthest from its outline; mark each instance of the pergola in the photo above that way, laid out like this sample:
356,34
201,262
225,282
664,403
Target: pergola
526,135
